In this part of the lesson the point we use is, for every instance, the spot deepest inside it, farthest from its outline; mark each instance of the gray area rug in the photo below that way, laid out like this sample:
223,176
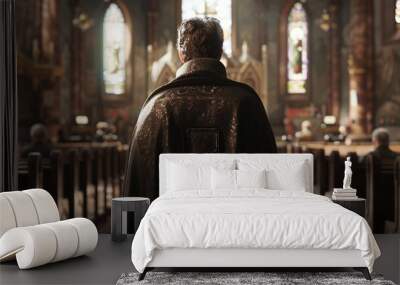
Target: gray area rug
229,278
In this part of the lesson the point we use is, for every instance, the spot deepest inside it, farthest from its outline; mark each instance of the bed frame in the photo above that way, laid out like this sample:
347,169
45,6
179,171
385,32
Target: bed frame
241,259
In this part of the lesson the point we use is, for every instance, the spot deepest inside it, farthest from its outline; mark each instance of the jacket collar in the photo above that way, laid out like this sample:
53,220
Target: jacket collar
382,148
202,65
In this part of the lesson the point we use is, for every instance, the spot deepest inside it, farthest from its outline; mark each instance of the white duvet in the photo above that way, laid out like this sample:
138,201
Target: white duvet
250,219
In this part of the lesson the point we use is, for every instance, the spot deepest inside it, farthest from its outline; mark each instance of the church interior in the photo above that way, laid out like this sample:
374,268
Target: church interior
326,71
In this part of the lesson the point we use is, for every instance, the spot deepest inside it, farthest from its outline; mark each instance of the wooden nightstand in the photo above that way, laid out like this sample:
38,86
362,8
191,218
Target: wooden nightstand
358,205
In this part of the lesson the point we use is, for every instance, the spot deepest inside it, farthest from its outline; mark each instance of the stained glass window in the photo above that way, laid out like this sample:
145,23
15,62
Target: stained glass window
114,50
297,50
220,9
397,13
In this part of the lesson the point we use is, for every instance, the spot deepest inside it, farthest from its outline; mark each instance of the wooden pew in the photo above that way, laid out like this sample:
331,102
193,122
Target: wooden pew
281,148
305,149
71,183
397,194
98,179
123,157
83,179
23,175
115,172
54,182
380,194
320,172
108,181
370,195
87,185
335,170
289,148
35,172
295,148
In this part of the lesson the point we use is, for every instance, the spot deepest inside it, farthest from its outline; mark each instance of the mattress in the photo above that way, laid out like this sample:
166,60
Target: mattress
251,219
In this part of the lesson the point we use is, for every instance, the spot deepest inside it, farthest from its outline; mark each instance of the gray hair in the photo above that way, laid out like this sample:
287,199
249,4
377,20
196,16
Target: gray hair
38,133
381,135
200,37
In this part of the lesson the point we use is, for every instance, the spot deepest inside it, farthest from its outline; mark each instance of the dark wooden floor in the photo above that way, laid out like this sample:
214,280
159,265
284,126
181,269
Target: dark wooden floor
110,260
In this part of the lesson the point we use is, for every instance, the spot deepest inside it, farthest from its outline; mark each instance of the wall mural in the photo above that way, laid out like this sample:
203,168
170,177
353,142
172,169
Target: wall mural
50,45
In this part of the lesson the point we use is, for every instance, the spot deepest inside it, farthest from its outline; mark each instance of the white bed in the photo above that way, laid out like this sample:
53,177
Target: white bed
249,227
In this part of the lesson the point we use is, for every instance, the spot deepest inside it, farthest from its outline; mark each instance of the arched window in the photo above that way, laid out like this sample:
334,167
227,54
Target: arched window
220,9
397,13
114,50
297,50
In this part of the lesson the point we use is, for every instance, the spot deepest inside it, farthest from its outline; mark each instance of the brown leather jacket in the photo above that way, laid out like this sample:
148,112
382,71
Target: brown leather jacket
201,111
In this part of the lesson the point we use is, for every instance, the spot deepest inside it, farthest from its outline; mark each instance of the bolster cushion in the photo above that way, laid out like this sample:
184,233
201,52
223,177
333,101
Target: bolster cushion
40,244
26,208
23,209
45,205
7,219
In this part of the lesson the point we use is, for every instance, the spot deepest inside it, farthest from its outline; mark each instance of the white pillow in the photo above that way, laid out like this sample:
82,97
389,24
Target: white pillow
236,179
251,178
191,177
193,174
223,179
284,175
295,181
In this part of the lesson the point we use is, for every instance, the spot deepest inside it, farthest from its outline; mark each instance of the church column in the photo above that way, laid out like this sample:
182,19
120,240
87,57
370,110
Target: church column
360,66
152,14
76,52
334,59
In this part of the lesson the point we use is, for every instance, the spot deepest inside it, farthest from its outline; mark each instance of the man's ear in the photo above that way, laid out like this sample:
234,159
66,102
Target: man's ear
181,57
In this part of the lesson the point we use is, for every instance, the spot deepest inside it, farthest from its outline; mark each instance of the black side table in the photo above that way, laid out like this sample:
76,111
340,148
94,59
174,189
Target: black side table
357,205
119,208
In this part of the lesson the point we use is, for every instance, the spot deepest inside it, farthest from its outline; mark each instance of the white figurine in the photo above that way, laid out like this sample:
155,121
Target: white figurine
347,174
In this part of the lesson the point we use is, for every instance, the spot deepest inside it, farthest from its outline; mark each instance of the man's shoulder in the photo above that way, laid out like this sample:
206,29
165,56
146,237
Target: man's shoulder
247,89
185,86
386,153
157,100
393,154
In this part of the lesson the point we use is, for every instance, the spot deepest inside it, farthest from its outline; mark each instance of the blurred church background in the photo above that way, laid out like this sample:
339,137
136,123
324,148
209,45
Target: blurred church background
327,71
